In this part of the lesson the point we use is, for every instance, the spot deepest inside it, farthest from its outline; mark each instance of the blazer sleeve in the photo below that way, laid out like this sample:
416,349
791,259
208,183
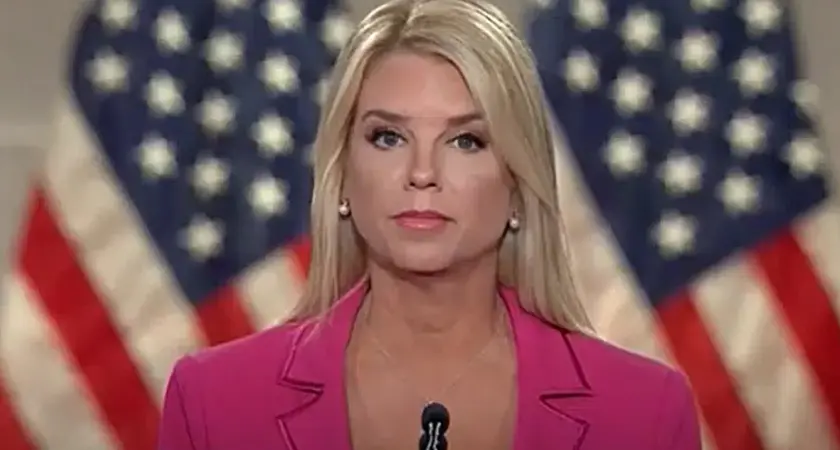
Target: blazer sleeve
181,426
679,427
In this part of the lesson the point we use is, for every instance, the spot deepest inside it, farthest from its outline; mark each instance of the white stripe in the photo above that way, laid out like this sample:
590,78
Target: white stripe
611,295
753,342
819,235
149,309
270,289
41,381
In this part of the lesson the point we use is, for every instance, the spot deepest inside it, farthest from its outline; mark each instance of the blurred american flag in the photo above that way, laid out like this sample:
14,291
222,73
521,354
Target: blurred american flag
170,213
695,186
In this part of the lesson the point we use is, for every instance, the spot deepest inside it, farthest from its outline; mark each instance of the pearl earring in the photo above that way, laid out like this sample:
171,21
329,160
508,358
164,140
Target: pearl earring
344,208
513,223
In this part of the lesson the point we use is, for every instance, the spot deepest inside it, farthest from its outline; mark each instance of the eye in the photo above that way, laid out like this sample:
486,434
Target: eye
469,142
384,138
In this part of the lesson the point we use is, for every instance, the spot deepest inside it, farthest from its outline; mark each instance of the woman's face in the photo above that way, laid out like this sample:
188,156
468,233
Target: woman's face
426,189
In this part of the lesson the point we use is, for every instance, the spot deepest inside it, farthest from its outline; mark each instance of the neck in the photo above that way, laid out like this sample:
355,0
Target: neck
441,312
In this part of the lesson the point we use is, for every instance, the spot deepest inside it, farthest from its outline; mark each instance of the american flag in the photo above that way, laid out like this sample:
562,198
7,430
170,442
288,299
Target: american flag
700,216
170,213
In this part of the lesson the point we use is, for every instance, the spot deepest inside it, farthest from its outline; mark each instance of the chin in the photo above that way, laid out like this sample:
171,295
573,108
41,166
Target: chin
421,259
420,265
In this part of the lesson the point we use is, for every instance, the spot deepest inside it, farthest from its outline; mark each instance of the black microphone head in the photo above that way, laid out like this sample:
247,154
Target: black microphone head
435,413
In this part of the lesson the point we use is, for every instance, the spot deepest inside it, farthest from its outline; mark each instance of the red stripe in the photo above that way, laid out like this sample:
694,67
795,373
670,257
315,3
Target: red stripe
12,432
692,347
83,323
806,305
223,318
301,250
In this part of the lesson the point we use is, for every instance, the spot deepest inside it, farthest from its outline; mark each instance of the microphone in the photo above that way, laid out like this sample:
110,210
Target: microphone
434,422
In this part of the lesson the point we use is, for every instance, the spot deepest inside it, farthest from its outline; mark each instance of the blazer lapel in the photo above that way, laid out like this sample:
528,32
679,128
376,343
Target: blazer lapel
312,411
552,388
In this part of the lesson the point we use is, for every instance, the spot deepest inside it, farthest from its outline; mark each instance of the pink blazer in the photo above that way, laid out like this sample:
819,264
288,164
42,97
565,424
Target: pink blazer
283,389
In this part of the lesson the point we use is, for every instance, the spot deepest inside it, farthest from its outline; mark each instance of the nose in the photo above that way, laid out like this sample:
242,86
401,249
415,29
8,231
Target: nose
422,170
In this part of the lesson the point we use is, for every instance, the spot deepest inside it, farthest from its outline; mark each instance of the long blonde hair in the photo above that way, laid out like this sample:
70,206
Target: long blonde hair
499,70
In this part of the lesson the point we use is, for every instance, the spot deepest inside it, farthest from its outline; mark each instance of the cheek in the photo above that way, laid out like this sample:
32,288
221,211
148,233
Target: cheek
483,199
368,180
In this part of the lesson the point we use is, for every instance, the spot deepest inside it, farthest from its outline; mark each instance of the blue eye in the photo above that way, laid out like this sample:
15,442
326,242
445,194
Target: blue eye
469,142
385,139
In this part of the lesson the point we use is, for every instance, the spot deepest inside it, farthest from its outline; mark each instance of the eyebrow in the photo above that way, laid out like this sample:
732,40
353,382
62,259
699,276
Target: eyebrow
390,116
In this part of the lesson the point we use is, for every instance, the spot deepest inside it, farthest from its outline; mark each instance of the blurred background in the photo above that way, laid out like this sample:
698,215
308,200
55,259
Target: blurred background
751,318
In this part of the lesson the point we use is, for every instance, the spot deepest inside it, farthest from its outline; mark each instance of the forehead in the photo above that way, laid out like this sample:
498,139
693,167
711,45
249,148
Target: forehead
415,85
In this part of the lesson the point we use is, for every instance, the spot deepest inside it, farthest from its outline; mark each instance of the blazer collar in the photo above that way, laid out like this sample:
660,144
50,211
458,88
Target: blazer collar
550,381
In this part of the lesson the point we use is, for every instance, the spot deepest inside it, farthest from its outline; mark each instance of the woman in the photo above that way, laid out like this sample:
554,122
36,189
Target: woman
438,273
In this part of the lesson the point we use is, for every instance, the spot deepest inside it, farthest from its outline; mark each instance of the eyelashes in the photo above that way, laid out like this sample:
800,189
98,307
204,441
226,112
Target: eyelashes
386,138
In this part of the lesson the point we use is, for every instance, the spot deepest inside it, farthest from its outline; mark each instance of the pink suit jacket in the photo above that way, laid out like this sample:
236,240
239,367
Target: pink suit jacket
283,389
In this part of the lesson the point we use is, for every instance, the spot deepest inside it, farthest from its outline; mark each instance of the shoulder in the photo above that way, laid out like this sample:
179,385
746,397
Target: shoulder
259,355
609,366
642,391
211,390
256,358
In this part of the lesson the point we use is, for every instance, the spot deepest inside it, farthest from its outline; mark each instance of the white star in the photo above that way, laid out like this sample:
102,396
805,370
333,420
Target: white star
746,133
233,5
210,176
739,193
581,71
681,173
674,234
273,135
641,29
336,30
689,111
163,95
217,113
697,51
156,157
543,4
755,72
804,156
118,15
806,96
625,154
170,30
279,73
590,14
202,238
320,90
108,72
225,51
631,92
268,196
761,16
702,6
283,15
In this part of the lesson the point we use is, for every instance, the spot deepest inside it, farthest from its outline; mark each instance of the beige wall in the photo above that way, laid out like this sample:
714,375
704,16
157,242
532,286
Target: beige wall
29,82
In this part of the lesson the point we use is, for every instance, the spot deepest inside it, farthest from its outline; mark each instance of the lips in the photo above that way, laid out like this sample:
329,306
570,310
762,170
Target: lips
421,220
428,215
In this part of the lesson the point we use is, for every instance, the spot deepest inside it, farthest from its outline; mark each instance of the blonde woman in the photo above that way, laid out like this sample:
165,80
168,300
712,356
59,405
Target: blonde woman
438,273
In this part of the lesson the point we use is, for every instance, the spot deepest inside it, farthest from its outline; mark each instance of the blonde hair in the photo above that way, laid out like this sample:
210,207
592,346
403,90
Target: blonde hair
499,70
